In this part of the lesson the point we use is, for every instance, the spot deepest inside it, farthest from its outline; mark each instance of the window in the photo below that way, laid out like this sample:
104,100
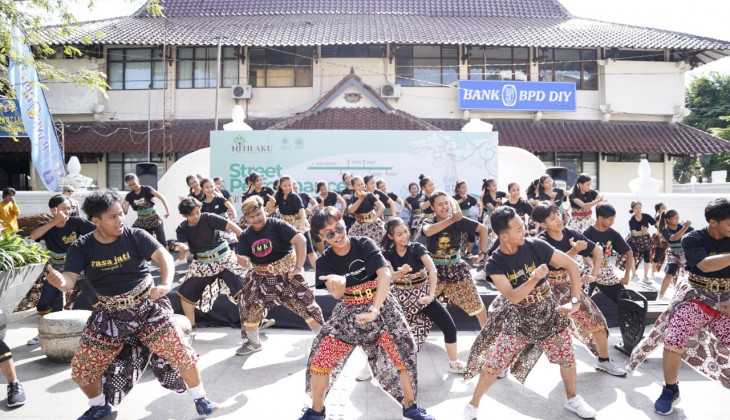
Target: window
426,65
499,63
569,65
353,51
577,163
196,67
281,66
135,68
633,157
119,164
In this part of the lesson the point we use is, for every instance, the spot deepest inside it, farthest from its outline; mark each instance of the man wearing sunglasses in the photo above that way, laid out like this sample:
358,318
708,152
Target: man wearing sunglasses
355,272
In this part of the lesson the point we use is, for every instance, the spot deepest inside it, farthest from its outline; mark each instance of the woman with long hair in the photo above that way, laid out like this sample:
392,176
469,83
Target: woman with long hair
396,203
388,203
413,204
414,283
582,201
672,231
639,239
491,199
367,209
293,212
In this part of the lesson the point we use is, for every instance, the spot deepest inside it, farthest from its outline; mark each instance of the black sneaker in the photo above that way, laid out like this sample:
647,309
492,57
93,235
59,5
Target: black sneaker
204,406
665,404
96,412
310,414
16,395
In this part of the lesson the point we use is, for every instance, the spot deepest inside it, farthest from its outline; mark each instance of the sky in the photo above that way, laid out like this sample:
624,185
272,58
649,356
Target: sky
710,18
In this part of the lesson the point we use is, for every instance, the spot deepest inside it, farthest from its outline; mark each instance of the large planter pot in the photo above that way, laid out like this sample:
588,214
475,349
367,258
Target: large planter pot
15,284
59,334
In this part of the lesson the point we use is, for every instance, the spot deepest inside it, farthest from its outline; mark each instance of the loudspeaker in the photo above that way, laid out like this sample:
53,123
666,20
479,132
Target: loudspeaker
147,174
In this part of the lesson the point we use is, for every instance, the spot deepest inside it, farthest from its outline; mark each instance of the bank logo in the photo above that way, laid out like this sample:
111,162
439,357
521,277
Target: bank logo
509,95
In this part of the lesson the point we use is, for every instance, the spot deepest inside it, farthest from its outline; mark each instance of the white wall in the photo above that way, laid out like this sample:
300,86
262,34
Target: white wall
67,98
615,176
641,87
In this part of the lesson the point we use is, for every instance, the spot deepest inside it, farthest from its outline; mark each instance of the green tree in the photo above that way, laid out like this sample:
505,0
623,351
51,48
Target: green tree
30,16
708,98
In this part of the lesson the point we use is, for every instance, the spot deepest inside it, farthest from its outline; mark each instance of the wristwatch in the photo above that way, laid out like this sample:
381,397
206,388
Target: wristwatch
573,300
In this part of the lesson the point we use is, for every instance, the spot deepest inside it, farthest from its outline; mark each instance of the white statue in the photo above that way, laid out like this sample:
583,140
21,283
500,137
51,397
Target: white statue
644,183
238,115
74,178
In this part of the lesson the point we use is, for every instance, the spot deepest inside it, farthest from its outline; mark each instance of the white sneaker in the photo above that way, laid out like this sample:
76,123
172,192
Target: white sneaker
457,366
365,374
33,341
581,408
470,412
610,368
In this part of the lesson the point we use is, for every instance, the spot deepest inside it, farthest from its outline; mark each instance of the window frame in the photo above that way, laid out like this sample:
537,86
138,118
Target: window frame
485,64
583,63
296,56
208,62
409,80
153,62
125,158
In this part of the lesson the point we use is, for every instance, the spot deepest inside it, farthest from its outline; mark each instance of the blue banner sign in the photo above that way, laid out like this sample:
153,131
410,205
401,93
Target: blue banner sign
45,151
499,95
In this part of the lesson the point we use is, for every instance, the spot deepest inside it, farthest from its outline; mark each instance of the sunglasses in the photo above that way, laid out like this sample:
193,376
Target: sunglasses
338,230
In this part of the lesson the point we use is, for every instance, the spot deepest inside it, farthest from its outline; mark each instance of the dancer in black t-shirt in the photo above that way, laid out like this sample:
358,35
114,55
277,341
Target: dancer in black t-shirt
294,212
582,200
201,234
526,319
445,234
589,325
277,252
640,240
696,325
368,210
672,231
413,204
355,272
114,260
140,200
415,281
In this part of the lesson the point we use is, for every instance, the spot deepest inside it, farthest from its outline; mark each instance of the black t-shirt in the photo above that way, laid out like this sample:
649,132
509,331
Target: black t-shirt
522,207
199,197
447,243
264,194
289,205
487,198
225,194
269,244
142,199
306,199
699,245
617,242
115,268
519,266
330,200
205,235
346,193
367,205
667,233
415,202
564,244
412,257
586,197
58,239
645,221
559,196
360,265
216,206
468,203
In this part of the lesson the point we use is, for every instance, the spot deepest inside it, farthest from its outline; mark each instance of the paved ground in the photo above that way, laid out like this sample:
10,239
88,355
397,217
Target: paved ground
269,385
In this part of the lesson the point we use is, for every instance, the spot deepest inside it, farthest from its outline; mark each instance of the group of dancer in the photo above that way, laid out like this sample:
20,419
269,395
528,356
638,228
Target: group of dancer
546,255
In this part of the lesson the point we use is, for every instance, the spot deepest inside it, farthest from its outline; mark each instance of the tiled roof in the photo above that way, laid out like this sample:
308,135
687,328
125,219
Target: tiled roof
517,8
334,29
599,136
535,136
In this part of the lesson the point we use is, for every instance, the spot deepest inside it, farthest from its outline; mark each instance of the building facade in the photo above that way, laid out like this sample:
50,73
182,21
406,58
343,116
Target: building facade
367,64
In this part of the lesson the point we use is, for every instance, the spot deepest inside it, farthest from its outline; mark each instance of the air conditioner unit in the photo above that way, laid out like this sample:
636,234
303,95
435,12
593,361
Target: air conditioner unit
241,92
390,91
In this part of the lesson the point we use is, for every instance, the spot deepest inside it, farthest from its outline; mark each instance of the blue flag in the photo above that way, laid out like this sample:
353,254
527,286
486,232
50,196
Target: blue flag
46,152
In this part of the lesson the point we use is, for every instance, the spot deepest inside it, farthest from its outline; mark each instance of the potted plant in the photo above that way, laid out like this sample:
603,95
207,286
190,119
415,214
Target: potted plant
21,264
